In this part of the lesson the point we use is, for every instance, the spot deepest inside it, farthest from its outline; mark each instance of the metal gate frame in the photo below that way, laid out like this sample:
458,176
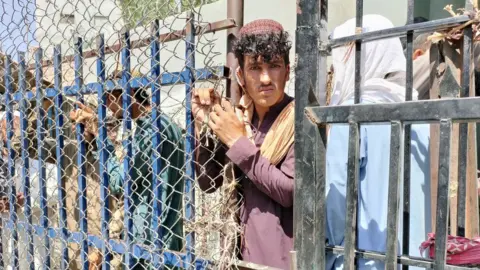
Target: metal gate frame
312,116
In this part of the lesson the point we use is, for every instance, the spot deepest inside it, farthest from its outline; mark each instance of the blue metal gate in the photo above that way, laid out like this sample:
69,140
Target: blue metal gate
155,80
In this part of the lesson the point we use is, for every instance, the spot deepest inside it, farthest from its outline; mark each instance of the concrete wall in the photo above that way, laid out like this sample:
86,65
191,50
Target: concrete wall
59,21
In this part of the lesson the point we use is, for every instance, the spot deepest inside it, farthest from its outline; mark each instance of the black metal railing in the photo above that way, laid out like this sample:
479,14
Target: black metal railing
313,116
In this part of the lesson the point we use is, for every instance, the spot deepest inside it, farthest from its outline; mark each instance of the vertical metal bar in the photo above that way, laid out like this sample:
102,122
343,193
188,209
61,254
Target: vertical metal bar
320,142
128,146
472,221
1,244
102,135
358,51
11,160
443,196
157,122
395,177
57,62
3,148
312,178
463,128
352,196
190,143
462,178
321,92
406,190
234,11
42,177
81,157
308,210
25,157
308,76
407,137
353,154
321,148
1,233
50,121
409,56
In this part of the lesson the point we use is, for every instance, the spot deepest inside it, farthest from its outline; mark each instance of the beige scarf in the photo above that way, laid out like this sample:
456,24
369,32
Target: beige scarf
281,135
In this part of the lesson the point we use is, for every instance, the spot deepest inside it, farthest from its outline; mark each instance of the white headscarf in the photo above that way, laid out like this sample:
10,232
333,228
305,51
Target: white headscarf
379,58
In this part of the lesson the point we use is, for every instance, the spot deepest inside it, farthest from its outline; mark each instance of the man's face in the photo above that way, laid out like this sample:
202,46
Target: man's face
264,81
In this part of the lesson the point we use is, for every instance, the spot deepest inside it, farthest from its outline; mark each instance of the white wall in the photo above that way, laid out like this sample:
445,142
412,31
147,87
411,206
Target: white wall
90,17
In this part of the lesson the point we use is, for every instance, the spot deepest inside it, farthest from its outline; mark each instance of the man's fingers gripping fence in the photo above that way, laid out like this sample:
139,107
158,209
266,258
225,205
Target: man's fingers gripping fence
97,135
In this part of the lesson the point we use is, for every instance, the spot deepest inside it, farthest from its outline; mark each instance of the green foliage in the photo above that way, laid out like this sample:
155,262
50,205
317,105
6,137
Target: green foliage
141,12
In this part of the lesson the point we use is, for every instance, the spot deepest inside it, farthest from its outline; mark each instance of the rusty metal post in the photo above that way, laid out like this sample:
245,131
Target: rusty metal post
309,207
235,12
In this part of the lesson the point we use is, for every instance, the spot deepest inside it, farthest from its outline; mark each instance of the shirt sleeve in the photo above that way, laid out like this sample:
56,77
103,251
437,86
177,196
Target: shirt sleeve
210,159
277,183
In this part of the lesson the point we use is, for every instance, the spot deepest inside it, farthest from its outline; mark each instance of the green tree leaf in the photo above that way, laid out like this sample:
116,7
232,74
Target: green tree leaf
142,12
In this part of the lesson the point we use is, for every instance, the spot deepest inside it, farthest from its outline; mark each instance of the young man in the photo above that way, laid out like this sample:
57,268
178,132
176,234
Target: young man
172,147
258,139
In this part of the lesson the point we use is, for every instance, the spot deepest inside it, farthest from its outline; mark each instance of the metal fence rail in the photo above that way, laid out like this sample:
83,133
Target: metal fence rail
313,117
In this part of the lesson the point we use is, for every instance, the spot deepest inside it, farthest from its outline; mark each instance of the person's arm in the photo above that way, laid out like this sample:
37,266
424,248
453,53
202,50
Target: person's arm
210,159
277,183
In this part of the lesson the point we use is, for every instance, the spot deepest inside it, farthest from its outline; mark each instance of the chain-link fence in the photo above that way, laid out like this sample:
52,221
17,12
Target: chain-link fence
119,188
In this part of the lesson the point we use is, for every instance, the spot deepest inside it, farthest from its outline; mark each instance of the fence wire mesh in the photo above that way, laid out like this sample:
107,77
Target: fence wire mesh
119,189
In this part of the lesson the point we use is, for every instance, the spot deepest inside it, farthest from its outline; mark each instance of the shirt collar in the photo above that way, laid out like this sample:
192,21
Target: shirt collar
276,109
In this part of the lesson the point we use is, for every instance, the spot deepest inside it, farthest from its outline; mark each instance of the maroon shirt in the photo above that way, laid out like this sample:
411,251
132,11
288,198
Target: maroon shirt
267,211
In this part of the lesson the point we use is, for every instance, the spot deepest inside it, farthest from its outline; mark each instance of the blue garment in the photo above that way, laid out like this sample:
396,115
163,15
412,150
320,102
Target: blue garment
373,190
171,177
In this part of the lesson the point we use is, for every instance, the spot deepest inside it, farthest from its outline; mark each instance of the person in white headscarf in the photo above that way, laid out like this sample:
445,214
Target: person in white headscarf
421,65
383,81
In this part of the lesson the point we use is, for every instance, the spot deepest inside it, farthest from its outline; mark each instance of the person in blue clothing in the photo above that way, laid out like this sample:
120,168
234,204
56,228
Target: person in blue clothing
383,81
171,175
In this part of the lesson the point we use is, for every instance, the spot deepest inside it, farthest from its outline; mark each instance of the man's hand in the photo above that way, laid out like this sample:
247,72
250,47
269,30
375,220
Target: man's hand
87,116
225,123
5,205
202,100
